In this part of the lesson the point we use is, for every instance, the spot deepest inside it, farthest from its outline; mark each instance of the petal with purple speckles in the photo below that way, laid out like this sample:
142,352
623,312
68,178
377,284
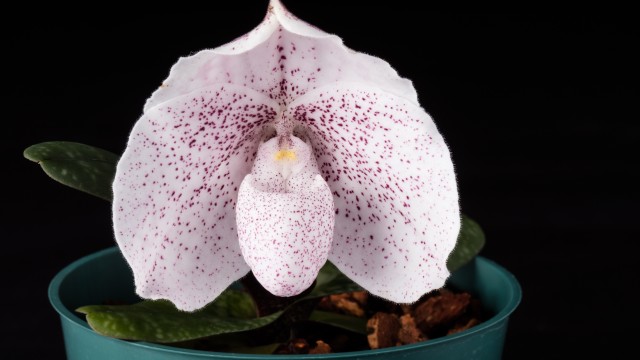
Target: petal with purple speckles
282,58
331,151
397,214
175,192
285,217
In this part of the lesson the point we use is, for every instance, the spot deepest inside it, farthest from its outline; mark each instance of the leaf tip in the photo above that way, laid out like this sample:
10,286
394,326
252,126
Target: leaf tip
30,153
84,310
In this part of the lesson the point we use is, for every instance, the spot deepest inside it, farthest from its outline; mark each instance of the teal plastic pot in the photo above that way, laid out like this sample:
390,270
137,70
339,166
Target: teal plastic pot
105,275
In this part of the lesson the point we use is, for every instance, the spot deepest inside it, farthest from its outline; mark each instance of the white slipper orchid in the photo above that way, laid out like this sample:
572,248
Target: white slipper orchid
274,153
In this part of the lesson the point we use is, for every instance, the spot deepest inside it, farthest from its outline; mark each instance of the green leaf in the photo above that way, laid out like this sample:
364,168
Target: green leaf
160,321
233,311
330,280
83,167
347,322
233,304
255,350
470,241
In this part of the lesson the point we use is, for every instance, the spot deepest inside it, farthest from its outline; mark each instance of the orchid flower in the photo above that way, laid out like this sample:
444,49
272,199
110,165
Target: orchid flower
275,153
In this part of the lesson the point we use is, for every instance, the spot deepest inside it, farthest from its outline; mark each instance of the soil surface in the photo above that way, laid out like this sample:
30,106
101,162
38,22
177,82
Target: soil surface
437,314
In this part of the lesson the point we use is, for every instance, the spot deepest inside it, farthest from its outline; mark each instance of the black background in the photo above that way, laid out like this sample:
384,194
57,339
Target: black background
539,111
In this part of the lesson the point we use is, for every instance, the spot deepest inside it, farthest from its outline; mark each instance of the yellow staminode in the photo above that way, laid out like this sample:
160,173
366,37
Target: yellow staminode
285,155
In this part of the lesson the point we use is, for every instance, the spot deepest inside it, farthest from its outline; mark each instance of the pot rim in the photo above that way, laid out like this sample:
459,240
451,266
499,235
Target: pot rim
514,295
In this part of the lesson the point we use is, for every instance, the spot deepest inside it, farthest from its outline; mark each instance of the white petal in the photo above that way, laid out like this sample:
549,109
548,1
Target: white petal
397,214
175,191
282,58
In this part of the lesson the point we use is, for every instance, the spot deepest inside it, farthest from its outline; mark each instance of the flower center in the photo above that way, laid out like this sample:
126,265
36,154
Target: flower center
283,164
283,155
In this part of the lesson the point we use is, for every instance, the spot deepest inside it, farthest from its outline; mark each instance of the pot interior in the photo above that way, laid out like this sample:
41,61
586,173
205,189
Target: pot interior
105,277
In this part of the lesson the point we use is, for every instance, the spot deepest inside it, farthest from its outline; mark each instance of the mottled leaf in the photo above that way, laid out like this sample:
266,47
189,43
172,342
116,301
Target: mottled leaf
160,321
233,304
256,350
330,280
470,241
83,167
347,322
232,312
